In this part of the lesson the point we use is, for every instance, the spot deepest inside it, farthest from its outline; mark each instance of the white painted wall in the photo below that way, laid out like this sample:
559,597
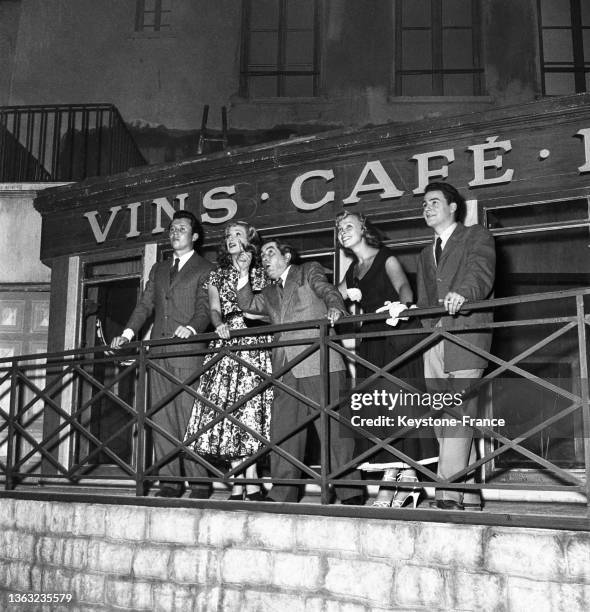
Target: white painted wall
20,234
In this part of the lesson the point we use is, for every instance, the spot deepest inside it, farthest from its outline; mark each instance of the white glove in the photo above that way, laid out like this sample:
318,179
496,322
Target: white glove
394,308
354,294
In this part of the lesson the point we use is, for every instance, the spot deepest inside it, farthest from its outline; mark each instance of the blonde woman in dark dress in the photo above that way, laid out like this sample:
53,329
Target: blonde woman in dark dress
374,277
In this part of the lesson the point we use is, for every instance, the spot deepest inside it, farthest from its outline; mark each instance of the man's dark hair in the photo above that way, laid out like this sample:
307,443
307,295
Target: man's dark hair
195,225
283,247
452,195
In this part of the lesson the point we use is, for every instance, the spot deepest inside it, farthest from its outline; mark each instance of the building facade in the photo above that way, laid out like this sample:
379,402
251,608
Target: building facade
524,171
285,68
364,101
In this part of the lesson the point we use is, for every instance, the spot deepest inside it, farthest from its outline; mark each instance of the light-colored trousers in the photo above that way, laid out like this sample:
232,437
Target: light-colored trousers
456,447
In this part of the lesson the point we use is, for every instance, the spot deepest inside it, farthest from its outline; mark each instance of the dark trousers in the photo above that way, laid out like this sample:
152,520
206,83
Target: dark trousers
172,418
287,413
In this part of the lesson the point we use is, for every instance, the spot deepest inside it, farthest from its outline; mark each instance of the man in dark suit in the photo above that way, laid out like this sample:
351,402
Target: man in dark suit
176,296
458,267
299,293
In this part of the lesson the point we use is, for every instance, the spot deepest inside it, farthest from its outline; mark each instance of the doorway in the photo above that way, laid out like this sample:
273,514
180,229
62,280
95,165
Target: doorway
110,292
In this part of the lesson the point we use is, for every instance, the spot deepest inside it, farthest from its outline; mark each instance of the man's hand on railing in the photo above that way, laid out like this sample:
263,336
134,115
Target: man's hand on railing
453,302
333,315
118,341
183,331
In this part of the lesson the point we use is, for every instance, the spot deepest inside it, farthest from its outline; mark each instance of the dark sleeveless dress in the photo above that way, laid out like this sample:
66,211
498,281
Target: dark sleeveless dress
376,289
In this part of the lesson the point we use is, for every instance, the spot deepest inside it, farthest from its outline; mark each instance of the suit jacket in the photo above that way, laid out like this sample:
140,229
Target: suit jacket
307,295
467,266
183,302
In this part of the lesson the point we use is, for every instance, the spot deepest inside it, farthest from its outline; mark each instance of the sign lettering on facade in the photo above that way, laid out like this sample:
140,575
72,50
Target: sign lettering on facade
488,169
295,185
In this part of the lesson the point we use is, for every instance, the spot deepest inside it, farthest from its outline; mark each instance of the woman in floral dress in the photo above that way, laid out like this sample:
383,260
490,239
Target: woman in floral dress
227,380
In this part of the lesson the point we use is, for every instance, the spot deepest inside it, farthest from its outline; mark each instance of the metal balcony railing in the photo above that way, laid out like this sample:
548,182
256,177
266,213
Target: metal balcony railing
66,387
64,142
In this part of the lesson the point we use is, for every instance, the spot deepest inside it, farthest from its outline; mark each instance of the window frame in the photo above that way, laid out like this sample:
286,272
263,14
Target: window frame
161,25
578,66
281,73
438,70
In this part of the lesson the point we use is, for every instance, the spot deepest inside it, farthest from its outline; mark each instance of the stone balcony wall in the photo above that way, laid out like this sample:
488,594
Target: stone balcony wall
128,557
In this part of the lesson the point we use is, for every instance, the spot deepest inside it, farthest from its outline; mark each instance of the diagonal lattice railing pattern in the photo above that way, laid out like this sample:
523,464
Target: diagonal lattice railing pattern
70,451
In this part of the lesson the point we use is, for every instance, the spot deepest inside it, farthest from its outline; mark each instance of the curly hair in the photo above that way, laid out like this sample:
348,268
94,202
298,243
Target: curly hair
373,237
224,258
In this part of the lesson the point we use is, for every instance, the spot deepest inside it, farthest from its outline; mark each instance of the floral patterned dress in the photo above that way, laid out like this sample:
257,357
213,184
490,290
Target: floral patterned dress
227,380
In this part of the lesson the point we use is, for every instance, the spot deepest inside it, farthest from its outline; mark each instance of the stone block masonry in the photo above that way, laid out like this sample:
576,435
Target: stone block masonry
129,557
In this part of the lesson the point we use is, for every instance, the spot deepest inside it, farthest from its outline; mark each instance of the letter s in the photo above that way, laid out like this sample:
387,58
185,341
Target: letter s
227,204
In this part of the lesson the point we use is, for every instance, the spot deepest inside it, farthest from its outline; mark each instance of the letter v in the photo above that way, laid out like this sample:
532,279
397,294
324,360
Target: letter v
99,235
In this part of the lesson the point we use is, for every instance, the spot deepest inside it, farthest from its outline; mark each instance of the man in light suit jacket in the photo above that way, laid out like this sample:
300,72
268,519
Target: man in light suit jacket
299,293
176,296
458,267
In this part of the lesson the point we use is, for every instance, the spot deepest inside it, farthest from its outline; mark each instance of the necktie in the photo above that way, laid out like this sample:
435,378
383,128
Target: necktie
174,269
437,250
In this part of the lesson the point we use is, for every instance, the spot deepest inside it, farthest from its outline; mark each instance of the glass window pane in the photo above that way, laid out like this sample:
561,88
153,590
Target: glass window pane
399,230
556,13
585,13
165,19
264,14
456,13
548,212
416,13
559,83
557,46
586,37
299,86
112,267
458,85
263,49
457,49
417,85
149,5
262,87
166,5
588,81
300,14
299,48
149,20
416,50
309,243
